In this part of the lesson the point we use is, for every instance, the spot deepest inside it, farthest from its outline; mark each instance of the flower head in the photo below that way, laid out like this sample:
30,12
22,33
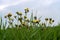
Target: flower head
36,21
46,19
23,23
19,18
9,15
26,10
50,19
19,13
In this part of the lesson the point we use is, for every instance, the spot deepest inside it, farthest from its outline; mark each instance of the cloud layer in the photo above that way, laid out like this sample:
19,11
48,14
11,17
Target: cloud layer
7,3
45,8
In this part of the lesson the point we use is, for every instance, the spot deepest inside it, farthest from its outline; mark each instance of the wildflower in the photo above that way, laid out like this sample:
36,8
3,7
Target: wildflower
26,10
52,20
36,21
23,23
46,19
25,17
19,13
9,15
19,18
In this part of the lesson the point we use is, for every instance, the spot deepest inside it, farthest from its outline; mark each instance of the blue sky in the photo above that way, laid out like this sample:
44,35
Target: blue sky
45,8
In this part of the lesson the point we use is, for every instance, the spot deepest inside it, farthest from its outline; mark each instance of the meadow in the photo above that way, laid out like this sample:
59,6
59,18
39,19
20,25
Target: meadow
28,29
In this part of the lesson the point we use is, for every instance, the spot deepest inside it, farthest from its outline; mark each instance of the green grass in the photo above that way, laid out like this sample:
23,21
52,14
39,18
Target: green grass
49,33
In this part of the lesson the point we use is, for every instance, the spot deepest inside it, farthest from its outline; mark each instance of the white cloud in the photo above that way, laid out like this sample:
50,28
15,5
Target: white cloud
8,3
2,7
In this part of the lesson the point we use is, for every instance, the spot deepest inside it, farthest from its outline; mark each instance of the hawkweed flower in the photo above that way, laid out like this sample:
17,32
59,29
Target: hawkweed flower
46,19
23,23
50,19
26,10
19,13
37,21
20,19
9,15
34,21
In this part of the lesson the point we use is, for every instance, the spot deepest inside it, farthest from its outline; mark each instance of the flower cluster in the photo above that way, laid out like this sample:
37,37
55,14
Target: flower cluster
25,21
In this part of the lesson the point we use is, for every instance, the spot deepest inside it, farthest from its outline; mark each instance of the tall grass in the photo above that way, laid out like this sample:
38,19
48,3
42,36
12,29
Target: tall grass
48,33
